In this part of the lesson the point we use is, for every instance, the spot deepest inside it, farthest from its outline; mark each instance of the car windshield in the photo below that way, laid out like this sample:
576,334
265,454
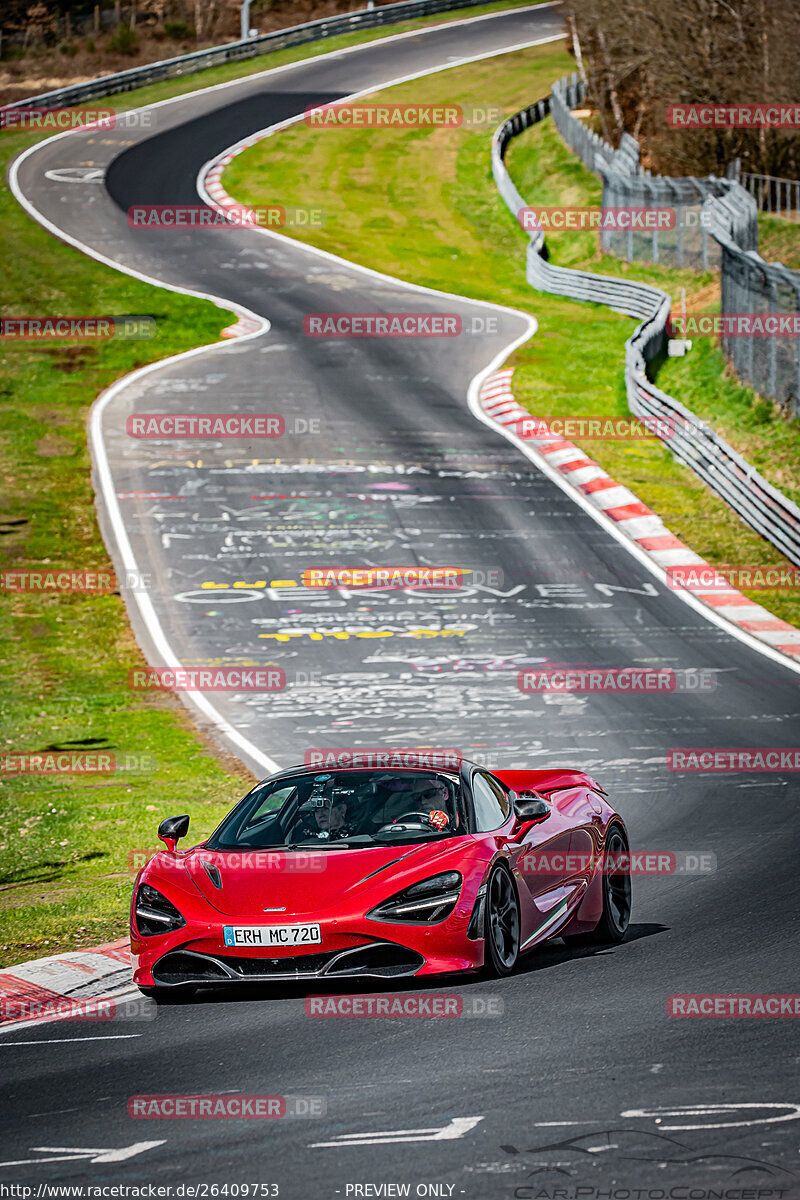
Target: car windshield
339,809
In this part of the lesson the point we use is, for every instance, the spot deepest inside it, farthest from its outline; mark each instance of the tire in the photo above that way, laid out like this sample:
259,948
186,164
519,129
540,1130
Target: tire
613,924
172,995
501,924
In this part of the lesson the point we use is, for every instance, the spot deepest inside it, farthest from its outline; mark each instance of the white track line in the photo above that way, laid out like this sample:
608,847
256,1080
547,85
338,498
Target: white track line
104,1037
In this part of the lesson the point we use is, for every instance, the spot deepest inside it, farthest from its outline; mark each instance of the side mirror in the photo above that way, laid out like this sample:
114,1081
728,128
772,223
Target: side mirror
172,829
529,807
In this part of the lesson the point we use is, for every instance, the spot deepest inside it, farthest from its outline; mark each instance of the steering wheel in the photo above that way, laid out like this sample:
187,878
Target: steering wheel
401,822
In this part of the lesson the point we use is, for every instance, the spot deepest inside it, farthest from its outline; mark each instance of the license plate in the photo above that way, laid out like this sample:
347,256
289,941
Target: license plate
271,935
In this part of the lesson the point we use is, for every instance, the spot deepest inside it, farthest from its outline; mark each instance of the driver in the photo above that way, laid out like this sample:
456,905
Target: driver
329,822
435,799
408,795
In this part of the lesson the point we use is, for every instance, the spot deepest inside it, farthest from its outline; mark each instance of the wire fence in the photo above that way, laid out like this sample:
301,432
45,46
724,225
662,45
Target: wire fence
715,226
773,194
692,442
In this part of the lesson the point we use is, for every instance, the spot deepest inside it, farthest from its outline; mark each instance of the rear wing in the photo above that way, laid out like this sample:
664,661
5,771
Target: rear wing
550,780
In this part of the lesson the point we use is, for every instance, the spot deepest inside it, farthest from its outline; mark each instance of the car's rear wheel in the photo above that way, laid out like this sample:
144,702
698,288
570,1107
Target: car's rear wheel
613,923
170,995
501,924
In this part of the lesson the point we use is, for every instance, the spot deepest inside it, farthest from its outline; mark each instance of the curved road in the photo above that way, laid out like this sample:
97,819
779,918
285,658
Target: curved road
573,1085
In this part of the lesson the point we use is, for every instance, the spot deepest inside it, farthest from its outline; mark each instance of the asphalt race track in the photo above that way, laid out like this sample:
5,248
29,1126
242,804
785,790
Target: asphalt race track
583,1080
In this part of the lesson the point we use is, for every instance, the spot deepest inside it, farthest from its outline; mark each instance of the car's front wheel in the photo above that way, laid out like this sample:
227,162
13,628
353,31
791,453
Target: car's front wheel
613,923
501,924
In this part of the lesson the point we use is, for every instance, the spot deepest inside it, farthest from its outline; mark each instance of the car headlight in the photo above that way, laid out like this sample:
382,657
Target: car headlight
423,903
155,913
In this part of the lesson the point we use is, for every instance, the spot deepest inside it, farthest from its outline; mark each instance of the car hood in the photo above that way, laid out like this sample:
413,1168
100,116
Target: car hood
294,883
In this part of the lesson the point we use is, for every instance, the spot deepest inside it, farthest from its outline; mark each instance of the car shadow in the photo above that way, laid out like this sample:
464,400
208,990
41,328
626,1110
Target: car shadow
550,954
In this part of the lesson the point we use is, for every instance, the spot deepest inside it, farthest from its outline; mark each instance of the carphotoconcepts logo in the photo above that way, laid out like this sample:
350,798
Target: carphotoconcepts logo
757,1004
206,679
598,679
705,578
683,1192
225,1107
633,862
420,1005
62,1008
448,578
200,216
604,429
720,761
129,328
281,862
557,218
364,324
772,324
387,757
733,116
403,116
66,581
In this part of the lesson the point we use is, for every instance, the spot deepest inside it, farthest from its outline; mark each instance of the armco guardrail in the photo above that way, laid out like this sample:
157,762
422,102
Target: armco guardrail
693,442
281,39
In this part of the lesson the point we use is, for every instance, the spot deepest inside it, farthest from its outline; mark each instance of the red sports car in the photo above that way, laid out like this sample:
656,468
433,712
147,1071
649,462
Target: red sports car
366,873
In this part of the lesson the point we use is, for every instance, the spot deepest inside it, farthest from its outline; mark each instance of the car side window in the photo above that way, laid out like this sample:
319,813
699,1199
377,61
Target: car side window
270,803
492,805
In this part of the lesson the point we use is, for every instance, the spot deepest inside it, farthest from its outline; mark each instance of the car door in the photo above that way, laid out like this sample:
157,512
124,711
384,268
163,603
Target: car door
538,851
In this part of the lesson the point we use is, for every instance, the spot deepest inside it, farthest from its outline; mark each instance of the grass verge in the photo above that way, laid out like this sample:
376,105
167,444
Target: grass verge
389,190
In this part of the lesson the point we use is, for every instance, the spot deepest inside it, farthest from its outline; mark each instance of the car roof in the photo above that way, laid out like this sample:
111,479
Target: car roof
306,769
